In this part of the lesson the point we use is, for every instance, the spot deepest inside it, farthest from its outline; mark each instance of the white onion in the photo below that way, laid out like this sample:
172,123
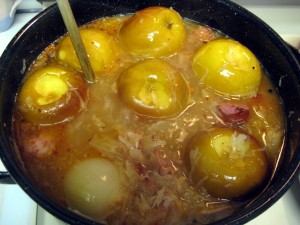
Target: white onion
93,186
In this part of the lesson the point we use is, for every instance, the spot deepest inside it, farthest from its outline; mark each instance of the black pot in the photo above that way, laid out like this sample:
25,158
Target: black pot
274,54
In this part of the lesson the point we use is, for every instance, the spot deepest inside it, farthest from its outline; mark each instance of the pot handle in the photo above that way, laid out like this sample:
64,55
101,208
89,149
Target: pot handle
5,178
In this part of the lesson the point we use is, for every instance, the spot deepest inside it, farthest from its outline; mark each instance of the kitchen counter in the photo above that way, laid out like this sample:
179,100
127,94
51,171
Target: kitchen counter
17,208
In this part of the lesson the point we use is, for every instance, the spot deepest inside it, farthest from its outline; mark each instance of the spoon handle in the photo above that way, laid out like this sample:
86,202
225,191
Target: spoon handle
69,20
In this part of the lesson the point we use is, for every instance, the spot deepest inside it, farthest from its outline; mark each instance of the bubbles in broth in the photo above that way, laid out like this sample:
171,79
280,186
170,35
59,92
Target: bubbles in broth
181,126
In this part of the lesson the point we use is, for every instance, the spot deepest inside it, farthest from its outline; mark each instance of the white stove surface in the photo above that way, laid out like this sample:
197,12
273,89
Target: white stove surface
16,208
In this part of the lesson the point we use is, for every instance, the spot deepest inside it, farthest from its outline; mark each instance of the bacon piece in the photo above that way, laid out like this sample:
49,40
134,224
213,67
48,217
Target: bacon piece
165,165
204,33
140,168
233,113
40,146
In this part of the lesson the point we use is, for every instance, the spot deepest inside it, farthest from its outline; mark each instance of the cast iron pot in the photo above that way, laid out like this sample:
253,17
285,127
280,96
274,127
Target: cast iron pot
274,54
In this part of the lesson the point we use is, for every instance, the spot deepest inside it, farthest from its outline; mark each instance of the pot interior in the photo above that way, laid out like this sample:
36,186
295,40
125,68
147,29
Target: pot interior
232,20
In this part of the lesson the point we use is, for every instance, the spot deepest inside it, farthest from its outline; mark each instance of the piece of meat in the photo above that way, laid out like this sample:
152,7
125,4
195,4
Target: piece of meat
231,113
204,33
40,146
165,165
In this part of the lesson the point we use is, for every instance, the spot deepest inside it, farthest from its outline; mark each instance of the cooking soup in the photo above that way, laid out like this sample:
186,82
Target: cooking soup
181,125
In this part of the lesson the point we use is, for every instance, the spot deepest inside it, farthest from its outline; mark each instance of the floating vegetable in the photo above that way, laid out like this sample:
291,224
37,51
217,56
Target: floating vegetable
94,186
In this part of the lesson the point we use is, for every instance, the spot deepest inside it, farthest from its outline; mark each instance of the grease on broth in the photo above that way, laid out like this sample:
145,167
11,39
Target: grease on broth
150,166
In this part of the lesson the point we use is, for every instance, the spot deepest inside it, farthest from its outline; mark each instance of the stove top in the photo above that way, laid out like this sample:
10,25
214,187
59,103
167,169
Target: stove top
283,19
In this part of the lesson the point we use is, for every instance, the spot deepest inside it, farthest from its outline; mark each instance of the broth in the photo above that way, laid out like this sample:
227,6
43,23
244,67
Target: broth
151,153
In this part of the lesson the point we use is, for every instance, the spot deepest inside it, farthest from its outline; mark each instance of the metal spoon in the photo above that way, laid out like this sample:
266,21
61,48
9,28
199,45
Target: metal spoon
69,20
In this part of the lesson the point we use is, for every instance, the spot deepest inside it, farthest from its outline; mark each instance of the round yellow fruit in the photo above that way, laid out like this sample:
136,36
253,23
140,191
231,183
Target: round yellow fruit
153,87
227,163
228,67
153,32
52,94
101,48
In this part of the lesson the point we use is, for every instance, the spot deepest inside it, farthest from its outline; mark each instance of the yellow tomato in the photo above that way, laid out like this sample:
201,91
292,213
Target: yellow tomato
52,94
228,67
153,87
101,48
153,32
227,163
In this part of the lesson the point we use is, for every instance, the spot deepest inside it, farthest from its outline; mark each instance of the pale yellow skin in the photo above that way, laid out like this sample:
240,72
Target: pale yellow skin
94,186
228,67
153,87
101,48
227,163
153,32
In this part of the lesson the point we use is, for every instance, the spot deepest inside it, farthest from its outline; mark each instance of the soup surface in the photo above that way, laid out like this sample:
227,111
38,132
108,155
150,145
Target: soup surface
180,126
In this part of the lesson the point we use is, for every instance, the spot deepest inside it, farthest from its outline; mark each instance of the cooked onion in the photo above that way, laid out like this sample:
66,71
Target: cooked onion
93,186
